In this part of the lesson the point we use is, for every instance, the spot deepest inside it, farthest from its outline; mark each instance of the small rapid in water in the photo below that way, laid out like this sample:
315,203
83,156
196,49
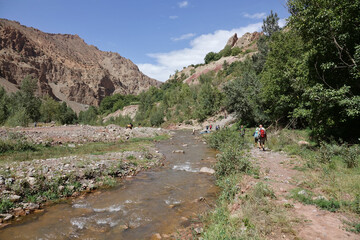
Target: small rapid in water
154,201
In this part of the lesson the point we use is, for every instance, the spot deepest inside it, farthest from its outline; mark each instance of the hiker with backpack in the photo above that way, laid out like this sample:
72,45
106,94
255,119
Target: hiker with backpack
262,137
256,137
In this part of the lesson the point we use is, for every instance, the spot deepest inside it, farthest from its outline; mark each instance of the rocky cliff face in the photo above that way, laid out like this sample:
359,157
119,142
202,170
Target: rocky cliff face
247,44
66,67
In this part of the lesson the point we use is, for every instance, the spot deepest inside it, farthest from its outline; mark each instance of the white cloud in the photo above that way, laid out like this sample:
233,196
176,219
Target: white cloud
183,4
255,15
183,37
282,22
167,63
173,17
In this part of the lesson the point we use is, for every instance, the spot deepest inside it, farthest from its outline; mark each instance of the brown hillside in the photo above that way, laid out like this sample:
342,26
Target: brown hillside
66,67
247,44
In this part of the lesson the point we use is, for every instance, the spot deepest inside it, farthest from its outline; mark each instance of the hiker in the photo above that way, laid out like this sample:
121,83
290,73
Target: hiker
256,137
262,137
193,131
210,127
242,131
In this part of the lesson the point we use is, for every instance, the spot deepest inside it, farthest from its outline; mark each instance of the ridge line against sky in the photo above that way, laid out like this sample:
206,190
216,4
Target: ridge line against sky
159,36
168,62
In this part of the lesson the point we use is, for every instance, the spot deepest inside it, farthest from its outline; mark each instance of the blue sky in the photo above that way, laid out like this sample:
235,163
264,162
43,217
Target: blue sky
160,36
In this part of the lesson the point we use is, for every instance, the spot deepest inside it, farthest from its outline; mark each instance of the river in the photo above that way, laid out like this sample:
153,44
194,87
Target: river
155,201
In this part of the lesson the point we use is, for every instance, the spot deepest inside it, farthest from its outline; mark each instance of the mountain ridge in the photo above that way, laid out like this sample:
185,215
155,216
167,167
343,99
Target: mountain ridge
67,68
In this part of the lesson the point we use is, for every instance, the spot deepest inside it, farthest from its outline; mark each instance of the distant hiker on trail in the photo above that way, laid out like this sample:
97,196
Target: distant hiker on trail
262,137
242,131
210,127
256,137
129,126
193,131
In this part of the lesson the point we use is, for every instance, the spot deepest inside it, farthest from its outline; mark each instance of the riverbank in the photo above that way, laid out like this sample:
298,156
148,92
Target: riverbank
154,203
281,195
73,168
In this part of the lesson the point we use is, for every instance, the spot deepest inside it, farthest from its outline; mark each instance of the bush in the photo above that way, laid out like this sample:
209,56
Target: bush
19,118
19,145
5,205
350,156
232,160
156,118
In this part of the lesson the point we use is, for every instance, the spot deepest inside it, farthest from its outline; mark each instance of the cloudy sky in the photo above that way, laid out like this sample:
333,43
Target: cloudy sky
160,36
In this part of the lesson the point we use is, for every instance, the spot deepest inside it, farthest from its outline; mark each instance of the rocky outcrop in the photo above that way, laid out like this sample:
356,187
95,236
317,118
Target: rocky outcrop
66,67
247,44
246,41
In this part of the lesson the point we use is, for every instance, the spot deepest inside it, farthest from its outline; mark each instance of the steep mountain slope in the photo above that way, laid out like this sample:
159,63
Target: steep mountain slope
66,67
247,47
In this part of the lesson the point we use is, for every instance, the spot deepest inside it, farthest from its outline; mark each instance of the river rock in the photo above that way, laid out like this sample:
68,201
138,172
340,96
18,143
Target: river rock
14,198
178,151
31,180
207,170
6,217
31,206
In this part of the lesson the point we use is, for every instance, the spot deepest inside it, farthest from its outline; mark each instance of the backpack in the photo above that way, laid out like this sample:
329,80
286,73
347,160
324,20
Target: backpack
262,133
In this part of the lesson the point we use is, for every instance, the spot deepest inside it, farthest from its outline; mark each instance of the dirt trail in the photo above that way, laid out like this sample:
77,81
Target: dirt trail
277,170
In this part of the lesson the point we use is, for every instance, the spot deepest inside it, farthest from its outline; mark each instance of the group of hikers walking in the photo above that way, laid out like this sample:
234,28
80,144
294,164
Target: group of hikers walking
259,136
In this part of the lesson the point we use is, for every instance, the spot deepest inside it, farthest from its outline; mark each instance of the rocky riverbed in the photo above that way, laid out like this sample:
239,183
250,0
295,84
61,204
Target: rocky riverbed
26,186
80,133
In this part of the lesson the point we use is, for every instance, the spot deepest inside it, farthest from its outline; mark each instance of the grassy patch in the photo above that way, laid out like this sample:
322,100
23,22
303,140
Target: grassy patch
256,218
97,148
331,168
307,197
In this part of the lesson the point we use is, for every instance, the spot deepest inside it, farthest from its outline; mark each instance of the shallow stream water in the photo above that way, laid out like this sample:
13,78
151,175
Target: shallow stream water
154,201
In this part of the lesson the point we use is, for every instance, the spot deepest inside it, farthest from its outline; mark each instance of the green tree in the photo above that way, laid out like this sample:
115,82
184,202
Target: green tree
208,101
66,114
25,99
285,76
89,116
243,96
332,31
19,118
4,108
49,109
271,24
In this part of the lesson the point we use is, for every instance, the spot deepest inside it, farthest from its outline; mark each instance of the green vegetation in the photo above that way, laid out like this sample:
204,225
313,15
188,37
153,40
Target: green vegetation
97,148
258,216
116,102
331,170
23,107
